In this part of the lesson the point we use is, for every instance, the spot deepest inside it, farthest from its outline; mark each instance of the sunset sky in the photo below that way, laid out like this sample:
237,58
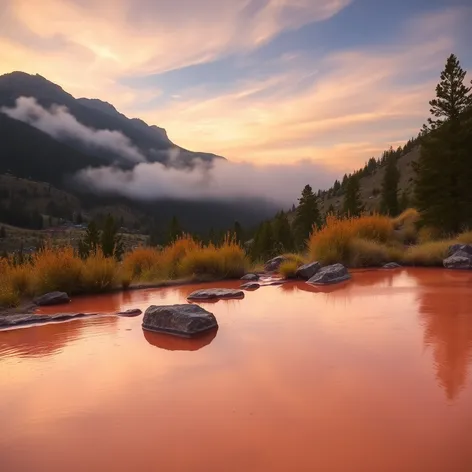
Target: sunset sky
265,81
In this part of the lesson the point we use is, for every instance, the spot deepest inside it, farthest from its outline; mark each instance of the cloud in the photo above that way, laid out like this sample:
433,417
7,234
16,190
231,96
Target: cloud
220,180
61,125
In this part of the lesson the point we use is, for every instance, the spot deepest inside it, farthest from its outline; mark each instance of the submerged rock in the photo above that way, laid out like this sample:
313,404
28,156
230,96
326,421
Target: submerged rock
10,321
250,277
332,274
130,312
391,265
455,248
274,264
250,286
459,260
307,271
52,298
179,320
216,294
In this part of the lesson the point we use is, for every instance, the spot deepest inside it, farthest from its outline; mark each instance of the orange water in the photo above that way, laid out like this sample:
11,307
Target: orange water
370,376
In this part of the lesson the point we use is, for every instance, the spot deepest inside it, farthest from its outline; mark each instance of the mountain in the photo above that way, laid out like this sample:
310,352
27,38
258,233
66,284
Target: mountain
151,141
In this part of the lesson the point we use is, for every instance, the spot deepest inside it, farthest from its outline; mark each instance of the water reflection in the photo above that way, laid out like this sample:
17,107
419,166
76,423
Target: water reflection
48,339
174,343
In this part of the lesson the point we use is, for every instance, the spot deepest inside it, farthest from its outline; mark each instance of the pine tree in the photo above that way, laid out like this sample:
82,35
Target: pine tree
389,202
110,241
352,200
404,202
238,232
175,230
307,216
263,244
443,189
283,233
91,241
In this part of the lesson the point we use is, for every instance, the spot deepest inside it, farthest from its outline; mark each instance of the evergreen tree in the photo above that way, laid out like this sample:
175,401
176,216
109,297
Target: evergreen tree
283,237
443,189
307,216
263,245
175,230
238,232
111,242
352,200
389,203
331,210
91,241
404,202
3,233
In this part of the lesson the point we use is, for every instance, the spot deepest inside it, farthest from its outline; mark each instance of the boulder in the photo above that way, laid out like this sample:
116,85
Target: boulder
179,320
250,277
459,260
307,271
467,248
11,321
52,298
250,286
391,265
274,264
130,312
216,294
332,274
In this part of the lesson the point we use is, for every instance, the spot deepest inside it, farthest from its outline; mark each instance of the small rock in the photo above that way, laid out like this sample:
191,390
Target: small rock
274,264
179,320
307,271
250,286
391,265
467,248
332,274
10,321
130,312
216,294
52,298
250,277
459,260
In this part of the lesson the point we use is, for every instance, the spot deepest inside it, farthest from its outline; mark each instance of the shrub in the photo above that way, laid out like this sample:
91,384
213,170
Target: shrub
9,297
427,254
288,269
465,237
57,269
427,234
409,216
141,260
365,253
297,258
99,273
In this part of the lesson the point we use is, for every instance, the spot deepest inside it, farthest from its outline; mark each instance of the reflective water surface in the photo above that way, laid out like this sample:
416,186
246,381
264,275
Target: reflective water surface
370,376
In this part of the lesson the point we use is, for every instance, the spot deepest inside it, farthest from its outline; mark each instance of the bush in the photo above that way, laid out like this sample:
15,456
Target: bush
465,237
409,216
99,273
427,254
9,297
141,260
288,269
365,253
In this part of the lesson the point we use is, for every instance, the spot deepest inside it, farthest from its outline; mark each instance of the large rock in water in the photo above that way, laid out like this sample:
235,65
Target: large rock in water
216,294
250,277
459,260
274,264
467,248
179,320
332,274
250,286
307,271
52,298
11,321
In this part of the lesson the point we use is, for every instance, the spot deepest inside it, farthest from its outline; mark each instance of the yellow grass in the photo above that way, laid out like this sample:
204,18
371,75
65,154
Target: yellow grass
366,253
288,269
409,216
98,273
427,254
465,237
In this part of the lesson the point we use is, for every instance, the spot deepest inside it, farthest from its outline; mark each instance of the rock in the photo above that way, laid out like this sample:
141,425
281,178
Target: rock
179,320
216,294
11,321
250,286
332,274
307,271
274,264
467,248
459,260
250,277
391,265
130,312
52,298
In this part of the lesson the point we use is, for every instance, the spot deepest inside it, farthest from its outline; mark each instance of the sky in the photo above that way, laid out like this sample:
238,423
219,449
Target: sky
267,82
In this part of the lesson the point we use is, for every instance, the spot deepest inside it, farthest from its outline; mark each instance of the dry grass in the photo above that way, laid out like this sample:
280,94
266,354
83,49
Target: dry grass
288,269
409,216
365,253
98,273
332,243
427,254
465,237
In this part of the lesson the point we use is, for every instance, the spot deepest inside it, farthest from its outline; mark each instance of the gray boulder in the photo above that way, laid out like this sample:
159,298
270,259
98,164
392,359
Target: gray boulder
250,286
307,271
130,312
250,277
459,260
216,294
391,265
332,274
11,321
52,298
274,264
467,248
179,320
